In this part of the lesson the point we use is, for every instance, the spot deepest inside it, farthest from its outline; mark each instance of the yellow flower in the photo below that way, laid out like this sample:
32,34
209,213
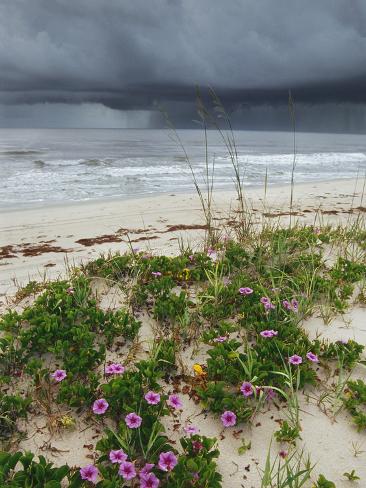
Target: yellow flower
184,275
197,368
187,272
67,421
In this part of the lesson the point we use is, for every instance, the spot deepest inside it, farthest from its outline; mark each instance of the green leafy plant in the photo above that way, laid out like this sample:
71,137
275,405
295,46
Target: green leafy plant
355,400
22,471
12,407
352,476
322,482
196,465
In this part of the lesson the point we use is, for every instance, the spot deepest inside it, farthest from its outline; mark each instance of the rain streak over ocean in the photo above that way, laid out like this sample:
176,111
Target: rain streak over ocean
44,166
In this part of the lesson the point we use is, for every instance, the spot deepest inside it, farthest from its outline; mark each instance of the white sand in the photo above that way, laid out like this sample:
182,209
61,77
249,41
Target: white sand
65,224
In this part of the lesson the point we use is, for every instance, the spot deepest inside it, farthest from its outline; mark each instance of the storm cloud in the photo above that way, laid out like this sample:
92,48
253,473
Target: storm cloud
135,55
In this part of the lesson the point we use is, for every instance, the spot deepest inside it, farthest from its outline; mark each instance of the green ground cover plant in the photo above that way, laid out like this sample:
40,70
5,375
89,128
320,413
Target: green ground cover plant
245,301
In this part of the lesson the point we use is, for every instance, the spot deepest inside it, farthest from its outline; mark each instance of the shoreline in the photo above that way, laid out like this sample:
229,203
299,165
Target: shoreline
71,203
35,242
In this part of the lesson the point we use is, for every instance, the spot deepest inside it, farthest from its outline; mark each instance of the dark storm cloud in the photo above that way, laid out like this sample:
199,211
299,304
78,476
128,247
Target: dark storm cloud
130,54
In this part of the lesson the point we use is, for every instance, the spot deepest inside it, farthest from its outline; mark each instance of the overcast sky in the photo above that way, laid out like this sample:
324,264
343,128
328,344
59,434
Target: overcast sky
111,63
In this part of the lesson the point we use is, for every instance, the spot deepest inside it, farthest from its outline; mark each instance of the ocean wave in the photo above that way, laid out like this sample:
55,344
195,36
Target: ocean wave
316,158
97,162
20,152
147,171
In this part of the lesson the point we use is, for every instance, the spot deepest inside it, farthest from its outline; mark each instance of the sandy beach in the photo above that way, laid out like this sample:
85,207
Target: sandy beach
35,243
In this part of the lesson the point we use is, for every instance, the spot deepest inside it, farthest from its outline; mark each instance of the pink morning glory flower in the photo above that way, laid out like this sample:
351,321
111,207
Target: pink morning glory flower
312,357
133,421
266,302
295,359
228,418
212,254
191,257
270,394
191,429
117,456
59,375
146,469
156,273
268,333
220,339
118,368
175,402
245,290
70,290
247,389
115,368
167,461
100,406
89,473
152,398
109,369
149,481
283,454
293,305
127,470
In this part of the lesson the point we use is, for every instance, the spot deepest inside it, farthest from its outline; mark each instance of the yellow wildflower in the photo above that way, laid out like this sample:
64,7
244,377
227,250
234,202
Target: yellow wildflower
67,421
197,368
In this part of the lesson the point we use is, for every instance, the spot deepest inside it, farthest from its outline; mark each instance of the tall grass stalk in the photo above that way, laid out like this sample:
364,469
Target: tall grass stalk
291,106
333,396
292,472
291,395
363,189
354,195
205,194
212,118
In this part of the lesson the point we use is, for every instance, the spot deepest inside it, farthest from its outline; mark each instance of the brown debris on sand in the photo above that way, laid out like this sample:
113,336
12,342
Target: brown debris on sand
174,228
7,252
147,238
28,250
38,249
90,241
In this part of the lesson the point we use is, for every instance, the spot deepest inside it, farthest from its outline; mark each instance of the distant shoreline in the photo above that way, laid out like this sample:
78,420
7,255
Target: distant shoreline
71,203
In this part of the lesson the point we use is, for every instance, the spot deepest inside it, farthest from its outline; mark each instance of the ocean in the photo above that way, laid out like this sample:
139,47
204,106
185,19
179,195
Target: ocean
46,166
